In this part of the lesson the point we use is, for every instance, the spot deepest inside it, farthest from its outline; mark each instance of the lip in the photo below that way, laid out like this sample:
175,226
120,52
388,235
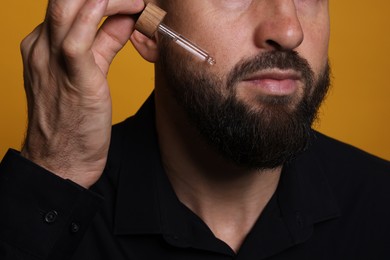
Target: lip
280,83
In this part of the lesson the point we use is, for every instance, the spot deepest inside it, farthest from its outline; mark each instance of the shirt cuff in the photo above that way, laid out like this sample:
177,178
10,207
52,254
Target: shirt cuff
42,214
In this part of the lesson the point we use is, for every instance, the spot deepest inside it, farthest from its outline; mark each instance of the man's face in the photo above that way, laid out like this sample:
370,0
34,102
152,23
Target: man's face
256,105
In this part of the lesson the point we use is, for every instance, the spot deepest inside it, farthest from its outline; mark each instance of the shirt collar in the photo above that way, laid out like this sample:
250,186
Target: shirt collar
302,199
304,194
147,204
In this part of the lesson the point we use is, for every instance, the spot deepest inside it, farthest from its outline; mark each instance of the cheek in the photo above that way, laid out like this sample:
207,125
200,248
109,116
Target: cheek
229,48
224,46
314,18
314,47
217,27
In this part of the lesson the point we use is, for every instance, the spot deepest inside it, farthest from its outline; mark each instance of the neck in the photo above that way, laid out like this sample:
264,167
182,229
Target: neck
228,198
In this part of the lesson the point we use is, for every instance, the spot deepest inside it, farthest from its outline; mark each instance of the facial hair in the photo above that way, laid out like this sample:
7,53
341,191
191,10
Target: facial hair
261,137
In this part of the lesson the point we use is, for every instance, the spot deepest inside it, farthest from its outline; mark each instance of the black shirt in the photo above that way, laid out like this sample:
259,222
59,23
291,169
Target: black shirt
332,202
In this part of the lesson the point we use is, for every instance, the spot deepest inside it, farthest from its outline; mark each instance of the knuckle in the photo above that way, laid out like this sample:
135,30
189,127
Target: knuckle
29,40
35,57
24,47
71,48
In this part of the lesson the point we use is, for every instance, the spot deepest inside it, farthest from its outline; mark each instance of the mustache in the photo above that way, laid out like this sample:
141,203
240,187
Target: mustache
277,59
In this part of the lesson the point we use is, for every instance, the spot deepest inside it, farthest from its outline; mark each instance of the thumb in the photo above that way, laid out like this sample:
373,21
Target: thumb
111,38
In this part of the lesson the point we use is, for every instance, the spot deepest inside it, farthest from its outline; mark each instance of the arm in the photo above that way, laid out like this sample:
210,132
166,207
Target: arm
44,198
66,62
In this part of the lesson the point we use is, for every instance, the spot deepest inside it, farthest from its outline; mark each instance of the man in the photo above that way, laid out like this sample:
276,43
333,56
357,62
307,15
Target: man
219,163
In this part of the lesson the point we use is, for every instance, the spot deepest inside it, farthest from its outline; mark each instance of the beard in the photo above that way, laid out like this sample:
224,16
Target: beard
261,136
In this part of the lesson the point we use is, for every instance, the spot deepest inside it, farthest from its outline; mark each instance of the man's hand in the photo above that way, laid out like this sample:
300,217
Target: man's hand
66,60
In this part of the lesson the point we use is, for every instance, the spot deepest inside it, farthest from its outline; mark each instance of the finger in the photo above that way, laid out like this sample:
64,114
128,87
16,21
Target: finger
59,18
78,42
112,36
62,13
124,7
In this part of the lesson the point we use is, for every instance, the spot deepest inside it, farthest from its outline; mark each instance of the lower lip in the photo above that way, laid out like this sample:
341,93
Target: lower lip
275,87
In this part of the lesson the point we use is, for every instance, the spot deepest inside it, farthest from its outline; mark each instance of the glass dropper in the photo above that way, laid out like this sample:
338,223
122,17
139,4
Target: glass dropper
150,21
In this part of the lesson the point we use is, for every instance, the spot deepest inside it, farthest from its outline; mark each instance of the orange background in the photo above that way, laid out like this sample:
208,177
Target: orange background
357,110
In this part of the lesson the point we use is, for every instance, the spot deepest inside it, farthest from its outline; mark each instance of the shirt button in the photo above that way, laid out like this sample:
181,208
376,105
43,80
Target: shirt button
74,227
51,216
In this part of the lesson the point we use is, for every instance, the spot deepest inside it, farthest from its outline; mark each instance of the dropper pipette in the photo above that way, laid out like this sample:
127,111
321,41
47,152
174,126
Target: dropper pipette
150,21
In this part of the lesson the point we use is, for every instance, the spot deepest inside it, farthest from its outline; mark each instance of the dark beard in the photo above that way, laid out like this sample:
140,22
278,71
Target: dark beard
252,138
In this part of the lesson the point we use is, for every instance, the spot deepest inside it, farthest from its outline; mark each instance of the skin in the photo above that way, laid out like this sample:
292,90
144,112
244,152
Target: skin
65,68
229,198
66,61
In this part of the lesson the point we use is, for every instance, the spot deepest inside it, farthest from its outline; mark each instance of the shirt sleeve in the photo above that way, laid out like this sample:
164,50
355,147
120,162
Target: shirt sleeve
42,215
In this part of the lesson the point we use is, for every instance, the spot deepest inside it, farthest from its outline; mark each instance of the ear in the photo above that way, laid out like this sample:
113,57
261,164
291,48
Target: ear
145,46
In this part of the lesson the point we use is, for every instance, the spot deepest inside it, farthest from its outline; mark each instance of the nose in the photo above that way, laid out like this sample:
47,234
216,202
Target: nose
279,26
